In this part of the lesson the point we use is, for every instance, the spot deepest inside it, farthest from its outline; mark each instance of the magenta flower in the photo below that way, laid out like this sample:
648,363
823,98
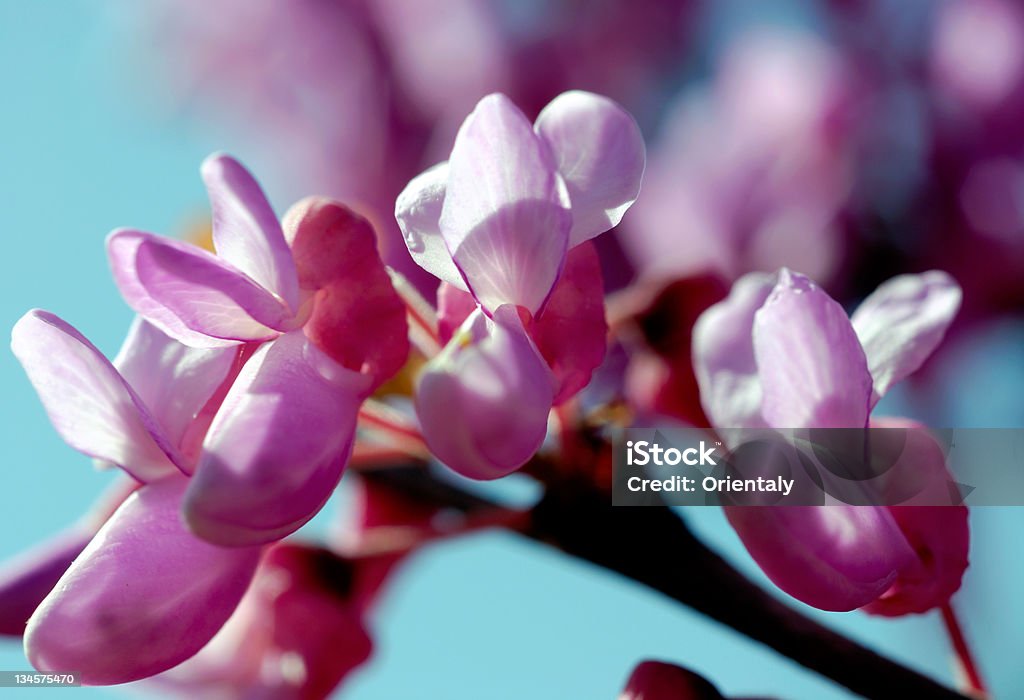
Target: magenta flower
659,680
317,290
502,222
146,593
779,352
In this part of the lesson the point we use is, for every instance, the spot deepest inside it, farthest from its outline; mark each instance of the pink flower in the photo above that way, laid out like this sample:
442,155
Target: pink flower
317,290
502,222
779,352
750,172
145,593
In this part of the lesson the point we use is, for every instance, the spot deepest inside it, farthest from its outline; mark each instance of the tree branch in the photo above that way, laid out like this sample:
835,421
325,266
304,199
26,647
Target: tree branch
579,520
633,542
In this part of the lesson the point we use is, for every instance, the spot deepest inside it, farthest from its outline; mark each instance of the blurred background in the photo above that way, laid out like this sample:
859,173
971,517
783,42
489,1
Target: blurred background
851,140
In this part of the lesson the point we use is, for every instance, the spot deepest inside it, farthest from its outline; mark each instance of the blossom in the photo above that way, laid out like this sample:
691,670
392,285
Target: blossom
750,172
779,352
146,593
315,306
504,224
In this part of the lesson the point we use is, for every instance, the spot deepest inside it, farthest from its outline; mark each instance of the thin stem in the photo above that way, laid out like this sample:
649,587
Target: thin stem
382,417
367,455
424,331
963,651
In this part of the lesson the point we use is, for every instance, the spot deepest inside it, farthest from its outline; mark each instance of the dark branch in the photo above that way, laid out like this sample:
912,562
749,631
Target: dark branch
579,520
633,542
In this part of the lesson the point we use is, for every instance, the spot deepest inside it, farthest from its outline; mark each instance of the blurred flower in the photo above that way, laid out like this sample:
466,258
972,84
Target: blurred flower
658,680
750,172
497,221
779,352
353,97
978,51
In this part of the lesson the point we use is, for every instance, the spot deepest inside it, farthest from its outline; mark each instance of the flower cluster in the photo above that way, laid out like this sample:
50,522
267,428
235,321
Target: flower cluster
256,372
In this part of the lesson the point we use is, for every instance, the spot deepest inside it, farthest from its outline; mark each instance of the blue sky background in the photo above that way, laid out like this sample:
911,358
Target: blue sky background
492,616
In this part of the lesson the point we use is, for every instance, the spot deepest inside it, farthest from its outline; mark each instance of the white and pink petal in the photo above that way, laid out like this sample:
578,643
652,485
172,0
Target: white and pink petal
600,154
902,322
89,403
812,367
505,216
246,232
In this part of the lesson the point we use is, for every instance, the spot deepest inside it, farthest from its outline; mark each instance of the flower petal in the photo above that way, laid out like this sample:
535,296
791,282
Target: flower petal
358,319
834,557
491,376
600,154
26,581
206,294
723,355
939,535
246,232
812,367
453,308
278,445
296,634
418,211
88,402
902,322
571,333
122,248
505,216
173,380
144,596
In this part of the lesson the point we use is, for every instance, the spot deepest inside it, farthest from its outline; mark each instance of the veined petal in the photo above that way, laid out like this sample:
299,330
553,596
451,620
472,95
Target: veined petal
902,322
206,294
834,557
358,319
493,378
278,445
145,595
418,211
571,333
505,216
88,402
812,367
723,355
600,154
122,248
173,380
246,232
